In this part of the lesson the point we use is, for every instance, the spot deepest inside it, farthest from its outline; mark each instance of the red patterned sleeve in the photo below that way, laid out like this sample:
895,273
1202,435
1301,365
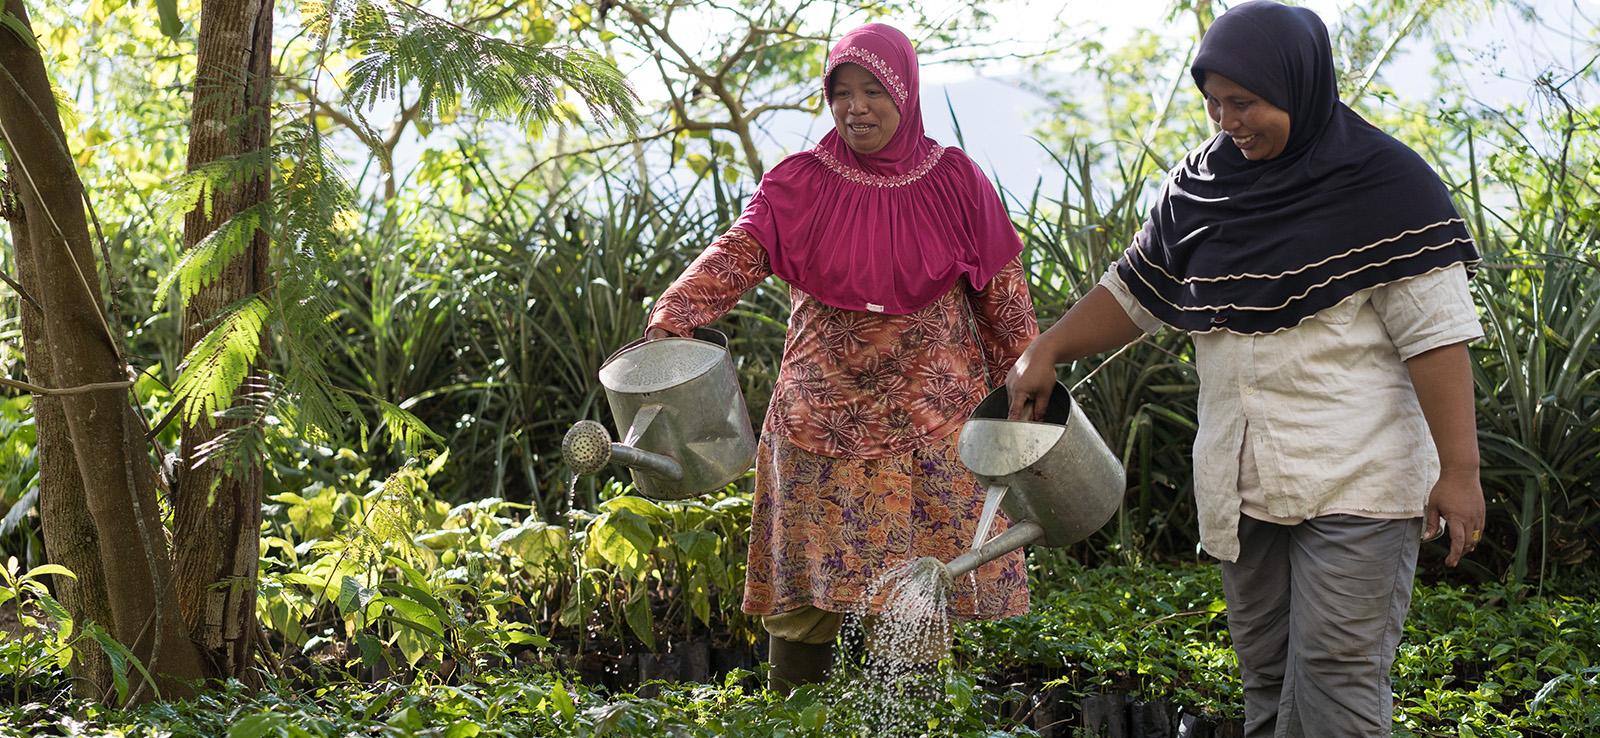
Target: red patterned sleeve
1004,314
712,284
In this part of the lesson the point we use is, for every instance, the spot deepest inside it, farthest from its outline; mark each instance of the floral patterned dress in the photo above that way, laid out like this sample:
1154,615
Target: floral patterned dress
857,467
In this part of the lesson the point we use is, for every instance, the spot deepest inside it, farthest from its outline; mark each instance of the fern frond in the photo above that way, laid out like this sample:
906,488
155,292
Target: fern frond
303,342
197,188
401,46
203,263
404,429
397,506
218,364
309,195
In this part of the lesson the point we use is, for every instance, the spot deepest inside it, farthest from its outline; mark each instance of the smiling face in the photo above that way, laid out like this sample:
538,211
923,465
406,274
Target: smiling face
1259,128
863,113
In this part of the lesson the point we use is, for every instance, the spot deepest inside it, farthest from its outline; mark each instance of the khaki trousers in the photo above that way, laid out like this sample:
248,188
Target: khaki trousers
1316,611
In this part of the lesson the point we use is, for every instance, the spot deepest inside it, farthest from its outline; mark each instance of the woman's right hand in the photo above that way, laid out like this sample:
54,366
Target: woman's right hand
1094,325
653,333
1030,382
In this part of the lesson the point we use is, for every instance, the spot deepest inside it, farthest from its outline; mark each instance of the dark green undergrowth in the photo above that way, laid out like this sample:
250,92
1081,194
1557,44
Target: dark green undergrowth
1481,661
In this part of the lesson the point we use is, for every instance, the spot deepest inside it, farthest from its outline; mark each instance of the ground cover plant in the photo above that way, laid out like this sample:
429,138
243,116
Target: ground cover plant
1469,665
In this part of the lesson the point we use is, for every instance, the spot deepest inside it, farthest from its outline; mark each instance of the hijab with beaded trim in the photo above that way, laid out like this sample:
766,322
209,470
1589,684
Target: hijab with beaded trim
1259,246
891,231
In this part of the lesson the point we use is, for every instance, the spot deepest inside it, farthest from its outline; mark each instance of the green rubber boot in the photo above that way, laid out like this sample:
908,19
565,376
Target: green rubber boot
795,664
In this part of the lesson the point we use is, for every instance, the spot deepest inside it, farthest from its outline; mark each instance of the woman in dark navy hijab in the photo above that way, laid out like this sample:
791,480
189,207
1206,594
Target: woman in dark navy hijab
1321,270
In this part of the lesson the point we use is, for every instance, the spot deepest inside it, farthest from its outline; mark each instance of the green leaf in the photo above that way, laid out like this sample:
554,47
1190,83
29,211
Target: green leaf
423,598
371,650
405,47
353,596
699,545
57,613
637,505
414,644
415,617
623,538
533,541
563,701
443,539
640,619
404,429
118,656
814,717
260,725
43,569
204,262
699,597
409,719
171,24
15,25
525,639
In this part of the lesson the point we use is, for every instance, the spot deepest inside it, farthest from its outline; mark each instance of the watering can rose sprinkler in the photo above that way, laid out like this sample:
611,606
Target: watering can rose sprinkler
1056,479
688,431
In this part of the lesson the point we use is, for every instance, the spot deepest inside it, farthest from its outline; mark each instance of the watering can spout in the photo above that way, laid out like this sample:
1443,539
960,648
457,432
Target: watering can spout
587,448
1015,537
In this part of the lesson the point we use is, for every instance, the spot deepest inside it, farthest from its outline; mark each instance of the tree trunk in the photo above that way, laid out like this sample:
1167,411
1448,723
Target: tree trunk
113,469
69,535
217,512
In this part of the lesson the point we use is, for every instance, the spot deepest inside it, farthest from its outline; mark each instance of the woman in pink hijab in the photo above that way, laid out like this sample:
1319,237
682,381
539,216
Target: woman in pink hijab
909,300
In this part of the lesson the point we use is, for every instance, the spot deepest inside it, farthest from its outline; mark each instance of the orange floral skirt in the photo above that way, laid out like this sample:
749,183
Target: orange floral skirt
823,528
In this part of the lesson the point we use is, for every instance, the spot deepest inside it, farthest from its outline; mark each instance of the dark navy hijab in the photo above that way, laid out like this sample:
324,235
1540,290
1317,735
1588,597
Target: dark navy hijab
1256,247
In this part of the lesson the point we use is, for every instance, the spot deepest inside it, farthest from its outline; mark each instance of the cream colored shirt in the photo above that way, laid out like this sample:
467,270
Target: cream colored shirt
1327,407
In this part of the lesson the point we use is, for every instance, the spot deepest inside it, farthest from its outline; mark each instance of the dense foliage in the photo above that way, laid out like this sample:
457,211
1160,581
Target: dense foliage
1469,665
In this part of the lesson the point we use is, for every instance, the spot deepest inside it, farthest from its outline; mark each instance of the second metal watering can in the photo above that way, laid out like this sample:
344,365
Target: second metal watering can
1056,479
687,429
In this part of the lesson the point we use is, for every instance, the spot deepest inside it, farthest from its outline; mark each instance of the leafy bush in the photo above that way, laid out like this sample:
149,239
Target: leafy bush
381,575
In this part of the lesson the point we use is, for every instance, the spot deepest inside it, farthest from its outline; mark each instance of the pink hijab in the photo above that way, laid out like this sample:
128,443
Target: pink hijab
887,232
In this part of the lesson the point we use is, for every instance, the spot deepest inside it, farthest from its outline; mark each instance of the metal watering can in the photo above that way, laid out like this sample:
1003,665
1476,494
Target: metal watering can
1056,479
688,431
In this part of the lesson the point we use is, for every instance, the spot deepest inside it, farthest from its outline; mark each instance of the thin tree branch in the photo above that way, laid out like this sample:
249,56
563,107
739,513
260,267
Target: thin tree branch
82,389
22,293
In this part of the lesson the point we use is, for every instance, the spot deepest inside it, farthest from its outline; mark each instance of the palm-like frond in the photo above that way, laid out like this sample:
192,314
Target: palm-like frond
220,362
405,430
204,262
402,46
196,188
